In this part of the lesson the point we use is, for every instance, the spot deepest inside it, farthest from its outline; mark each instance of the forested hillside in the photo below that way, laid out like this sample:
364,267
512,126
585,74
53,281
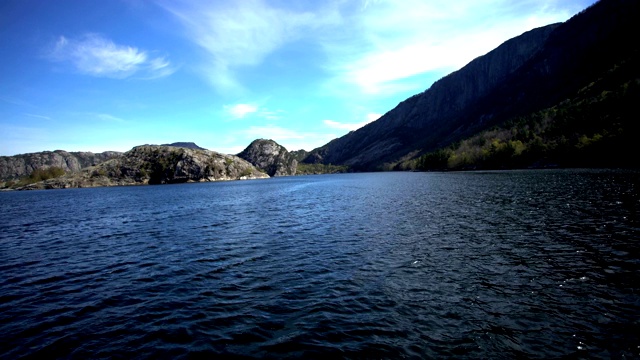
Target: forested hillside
597,127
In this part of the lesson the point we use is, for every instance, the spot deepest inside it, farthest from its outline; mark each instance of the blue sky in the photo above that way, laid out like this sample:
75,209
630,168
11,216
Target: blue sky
96,75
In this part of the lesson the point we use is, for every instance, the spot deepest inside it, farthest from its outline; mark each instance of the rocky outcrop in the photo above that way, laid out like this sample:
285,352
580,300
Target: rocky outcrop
535,70
18,166
152,164
271,157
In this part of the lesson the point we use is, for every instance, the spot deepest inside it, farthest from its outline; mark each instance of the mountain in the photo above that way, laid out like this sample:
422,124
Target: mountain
596,127
153,164
188,145
18,166
269,156
533,71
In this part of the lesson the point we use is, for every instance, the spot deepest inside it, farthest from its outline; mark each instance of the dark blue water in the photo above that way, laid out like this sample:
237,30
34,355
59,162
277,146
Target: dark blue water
538,264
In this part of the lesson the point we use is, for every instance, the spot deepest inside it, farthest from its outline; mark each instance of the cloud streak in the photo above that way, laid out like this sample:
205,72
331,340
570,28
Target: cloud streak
95,55
239,34
43,117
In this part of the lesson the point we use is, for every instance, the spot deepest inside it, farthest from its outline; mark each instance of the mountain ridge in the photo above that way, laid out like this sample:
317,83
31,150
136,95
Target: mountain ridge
556,61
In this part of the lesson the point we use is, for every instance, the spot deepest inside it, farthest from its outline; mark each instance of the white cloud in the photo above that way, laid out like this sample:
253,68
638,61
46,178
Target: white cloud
98,56
373,117
352,126
239,111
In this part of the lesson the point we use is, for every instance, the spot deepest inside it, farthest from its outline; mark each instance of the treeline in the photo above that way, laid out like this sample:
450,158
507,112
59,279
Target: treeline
596,128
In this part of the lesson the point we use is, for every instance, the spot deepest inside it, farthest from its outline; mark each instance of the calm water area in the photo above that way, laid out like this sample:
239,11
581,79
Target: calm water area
504,264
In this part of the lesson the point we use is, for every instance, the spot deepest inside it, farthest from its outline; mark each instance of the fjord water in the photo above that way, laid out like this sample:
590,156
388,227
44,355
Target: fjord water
539,264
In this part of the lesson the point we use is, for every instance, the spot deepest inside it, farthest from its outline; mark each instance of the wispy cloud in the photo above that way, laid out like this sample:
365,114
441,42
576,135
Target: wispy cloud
108,118
394,41
95,55
43,117
270,114
240,33
15,101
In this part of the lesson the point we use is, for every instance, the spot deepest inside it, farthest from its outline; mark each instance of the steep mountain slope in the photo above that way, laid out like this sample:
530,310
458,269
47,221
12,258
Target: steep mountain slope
152,164
14,167
271,157
535,70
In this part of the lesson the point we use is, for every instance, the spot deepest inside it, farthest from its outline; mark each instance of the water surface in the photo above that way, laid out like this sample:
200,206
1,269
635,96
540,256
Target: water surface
538,264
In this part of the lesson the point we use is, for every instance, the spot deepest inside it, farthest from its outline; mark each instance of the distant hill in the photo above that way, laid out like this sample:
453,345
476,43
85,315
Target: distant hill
534,71
18,166
188,145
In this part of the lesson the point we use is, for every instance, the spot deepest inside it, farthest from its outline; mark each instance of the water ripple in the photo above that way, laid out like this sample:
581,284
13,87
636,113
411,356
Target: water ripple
534,264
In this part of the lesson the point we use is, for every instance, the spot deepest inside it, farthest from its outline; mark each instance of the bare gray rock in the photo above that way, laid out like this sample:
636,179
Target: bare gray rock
271,157
152,164
18,166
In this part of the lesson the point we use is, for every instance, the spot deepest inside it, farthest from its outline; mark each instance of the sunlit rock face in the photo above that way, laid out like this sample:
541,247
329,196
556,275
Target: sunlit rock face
271,157
18,166
152,164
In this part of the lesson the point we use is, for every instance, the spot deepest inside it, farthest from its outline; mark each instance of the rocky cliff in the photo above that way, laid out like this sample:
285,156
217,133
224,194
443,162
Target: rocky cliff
152,164
271,157
530,72
18,166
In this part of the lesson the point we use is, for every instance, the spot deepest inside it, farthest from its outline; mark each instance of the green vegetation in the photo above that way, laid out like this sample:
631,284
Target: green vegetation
162,168
595,128
308,169
246,172
45,174
36,176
